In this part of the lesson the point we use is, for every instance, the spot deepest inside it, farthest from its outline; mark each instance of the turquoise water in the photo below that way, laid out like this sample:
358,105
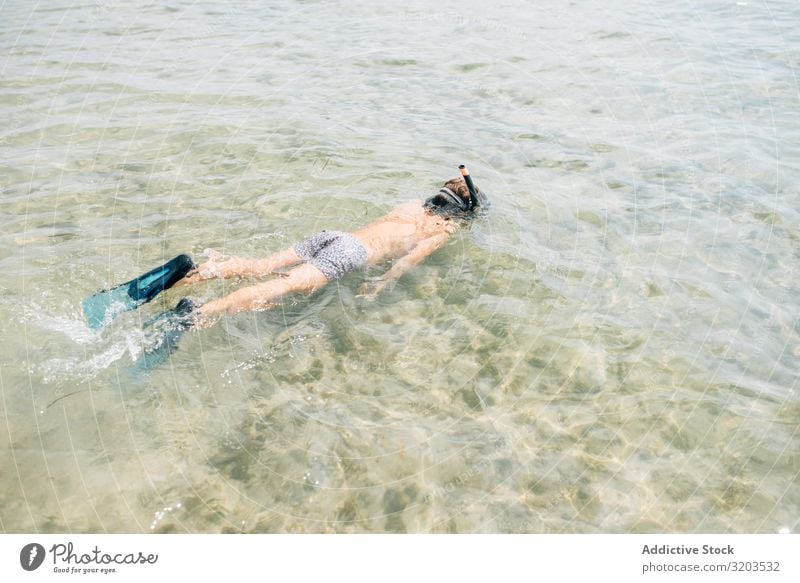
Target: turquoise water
613,349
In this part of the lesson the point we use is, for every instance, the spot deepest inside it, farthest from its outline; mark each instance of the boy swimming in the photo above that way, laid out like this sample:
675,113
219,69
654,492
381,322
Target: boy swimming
407,235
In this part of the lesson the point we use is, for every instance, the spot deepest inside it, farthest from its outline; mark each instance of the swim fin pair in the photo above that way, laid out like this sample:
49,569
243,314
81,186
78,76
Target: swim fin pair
101,308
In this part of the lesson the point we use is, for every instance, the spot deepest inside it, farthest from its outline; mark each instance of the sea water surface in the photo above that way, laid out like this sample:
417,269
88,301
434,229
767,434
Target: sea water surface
613,348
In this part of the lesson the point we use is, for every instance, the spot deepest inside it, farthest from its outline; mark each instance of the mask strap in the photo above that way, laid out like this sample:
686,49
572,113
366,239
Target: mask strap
452,196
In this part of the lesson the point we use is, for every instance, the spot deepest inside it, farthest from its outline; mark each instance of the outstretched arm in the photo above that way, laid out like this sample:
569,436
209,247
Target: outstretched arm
239,267
404,264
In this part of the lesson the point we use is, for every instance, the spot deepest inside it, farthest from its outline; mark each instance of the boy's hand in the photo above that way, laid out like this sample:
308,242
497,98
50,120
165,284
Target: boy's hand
369,290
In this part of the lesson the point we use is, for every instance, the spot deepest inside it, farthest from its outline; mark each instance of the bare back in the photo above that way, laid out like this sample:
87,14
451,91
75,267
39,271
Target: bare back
398,232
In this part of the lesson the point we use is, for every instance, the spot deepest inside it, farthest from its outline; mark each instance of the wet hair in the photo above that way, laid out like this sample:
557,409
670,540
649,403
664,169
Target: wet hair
453,199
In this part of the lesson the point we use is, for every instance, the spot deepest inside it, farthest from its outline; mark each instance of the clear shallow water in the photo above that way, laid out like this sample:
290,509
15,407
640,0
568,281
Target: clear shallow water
614,349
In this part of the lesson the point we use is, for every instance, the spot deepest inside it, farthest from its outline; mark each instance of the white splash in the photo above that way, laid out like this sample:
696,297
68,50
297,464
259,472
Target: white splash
73,328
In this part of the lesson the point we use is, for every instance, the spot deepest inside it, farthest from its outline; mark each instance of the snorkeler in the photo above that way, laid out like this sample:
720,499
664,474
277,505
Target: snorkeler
407,235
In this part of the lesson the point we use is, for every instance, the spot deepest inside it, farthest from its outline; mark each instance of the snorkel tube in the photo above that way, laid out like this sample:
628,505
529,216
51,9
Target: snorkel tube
473,196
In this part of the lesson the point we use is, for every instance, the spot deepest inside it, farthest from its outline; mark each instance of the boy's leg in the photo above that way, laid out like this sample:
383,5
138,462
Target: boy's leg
238,267
264,296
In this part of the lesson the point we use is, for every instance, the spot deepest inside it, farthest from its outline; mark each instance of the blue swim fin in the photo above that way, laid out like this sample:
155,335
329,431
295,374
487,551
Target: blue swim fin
106,305
168,328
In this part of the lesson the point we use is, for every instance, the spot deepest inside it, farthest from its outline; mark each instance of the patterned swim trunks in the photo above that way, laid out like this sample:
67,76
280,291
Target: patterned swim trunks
334,253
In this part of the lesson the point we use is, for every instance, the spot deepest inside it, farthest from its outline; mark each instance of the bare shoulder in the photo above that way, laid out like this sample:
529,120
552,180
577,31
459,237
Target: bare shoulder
407,213
426,224
410,209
